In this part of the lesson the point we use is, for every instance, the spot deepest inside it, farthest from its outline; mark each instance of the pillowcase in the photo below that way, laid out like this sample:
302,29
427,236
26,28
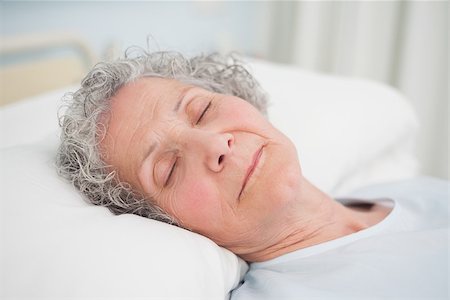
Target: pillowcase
340,125
56,245
31,119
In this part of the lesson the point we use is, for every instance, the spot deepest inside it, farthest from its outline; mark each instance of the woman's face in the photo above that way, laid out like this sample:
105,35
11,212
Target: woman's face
212,161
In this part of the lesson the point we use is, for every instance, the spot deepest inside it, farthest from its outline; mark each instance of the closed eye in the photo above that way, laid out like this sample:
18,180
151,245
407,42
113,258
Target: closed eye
170,173
204,112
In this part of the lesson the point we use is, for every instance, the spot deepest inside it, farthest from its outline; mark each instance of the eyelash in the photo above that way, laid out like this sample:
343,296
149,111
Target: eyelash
204,112
175,163
171,172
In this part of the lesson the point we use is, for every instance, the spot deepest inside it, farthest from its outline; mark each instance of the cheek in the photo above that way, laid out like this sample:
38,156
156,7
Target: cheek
195,193
286,183
243,112
197,202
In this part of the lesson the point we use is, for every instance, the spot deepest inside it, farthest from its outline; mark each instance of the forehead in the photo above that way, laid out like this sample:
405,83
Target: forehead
138,101
147,91
144,96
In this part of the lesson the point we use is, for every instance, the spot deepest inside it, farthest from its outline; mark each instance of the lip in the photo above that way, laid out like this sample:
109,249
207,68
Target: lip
251,168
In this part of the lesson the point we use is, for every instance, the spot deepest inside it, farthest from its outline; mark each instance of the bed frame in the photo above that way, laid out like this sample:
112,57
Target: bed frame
34,64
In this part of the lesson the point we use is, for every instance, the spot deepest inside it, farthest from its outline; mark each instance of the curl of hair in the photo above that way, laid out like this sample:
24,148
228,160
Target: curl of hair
78,157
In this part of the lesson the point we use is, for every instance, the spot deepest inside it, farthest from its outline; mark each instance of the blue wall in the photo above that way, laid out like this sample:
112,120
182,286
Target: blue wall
190,27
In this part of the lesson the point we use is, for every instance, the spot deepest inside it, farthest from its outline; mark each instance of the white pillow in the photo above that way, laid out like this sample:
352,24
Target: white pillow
56,245
339,125
31,119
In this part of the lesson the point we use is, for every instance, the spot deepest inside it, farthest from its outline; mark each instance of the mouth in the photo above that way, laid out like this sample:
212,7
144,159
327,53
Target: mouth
251,168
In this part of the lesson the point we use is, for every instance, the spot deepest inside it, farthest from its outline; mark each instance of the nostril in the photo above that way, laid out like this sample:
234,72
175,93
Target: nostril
230,142
220,159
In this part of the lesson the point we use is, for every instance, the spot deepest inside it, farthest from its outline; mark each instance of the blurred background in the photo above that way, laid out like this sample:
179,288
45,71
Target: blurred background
400,43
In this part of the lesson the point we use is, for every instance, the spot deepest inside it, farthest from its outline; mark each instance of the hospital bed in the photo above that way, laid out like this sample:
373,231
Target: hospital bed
348,132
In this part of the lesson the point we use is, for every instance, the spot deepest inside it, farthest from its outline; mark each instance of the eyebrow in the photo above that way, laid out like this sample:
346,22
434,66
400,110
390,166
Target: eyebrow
182,95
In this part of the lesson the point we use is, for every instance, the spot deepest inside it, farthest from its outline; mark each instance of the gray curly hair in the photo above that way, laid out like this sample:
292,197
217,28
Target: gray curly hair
79,159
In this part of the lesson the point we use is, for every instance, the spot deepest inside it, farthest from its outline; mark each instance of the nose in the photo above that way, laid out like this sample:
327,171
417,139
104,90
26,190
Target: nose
212,148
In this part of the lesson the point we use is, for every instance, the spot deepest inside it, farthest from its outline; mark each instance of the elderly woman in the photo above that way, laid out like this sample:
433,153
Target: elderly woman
187,141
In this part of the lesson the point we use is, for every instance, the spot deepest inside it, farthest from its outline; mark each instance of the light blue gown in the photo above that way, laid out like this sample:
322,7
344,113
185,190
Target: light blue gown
405,256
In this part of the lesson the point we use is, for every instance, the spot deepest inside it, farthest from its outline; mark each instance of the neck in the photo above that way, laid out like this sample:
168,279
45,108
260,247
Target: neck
315,218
